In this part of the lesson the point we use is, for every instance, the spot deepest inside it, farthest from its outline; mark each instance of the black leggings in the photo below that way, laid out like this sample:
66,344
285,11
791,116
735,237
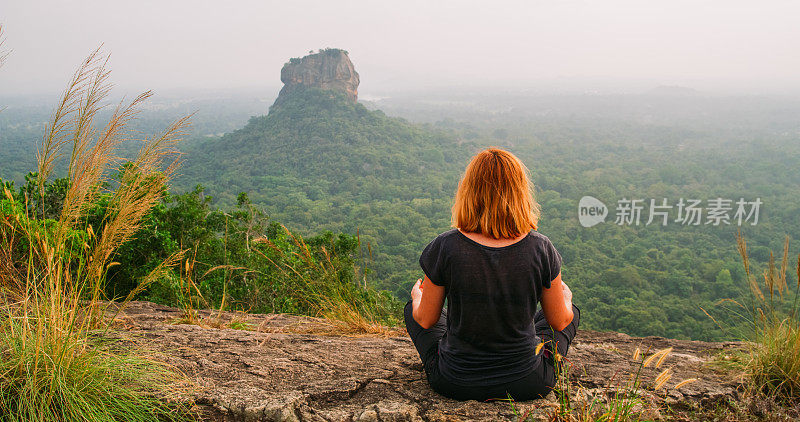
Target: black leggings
533,386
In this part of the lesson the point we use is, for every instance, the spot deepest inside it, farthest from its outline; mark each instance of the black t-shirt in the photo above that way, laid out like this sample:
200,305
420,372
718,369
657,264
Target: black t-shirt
492,294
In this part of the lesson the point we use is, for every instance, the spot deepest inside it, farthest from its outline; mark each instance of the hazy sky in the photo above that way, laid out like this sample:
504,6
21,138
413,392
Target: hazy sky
167,44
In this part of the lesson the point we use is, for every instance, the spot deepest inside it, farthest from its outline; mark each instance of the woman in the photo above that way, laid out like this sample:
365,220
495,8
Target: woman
493,268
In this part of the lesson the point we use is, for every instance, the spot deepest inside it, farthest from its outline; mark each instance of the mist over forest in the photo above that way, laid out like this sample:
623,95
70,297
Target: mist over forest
666,142
218,211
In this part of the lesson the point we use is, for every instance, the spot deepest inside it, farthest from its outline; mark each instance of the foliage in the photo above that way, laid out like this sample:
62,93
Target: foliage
102,382
53,366
316,277
242,260
236,258
773,367
320,162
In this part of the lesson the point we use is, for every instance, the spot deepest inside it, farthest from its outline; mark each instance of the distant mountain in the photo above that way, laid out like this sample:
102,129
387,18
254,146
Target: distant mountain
320,160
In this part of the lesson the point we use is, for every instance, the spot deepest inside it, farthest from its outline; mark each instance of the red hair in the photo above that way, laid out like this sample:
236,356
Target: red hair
495,196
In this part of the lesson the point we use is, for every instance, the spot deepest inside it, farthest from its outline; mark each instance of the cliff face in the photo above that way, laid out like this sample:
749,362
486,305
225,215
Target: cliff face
328,69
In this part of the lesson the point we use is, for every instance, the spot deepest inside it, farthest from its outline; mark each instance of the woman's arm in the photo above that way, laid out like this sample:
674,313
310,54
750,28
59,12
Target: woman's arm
427,302
557,304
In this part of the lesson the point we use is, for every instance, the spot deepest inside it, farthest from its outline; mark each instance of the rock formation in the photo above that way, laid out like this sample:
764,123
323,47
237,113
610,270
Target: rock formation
289,368
328,69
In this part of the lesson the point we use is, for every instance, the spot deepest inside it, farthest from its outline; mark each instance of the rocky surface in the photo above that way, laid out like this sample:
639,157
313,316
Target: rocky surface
329,69
288,368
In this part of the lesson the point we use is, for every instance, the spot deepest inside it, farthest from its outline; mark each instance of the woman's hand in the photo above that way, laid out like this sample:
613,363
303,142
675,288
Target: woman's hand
567,294
427,310
416,291
557,304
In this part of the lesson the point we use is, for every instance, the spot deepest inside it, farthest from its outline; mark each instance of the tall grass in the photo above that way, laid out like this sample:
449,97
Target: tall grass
624,400
773,367
316,284
53,365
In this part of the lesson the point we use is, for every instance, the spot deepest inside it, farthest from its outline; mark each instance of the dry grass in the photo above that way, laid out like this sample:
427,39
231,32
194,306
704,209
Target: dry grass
276,323
348,320
309,281
314,283
630,396
190,299
773,367
53,368
188,294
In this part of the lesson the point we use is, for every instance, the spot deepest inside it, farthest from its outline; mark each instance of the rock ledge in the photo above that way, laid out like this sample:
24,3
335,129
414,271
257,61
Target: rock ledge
282,371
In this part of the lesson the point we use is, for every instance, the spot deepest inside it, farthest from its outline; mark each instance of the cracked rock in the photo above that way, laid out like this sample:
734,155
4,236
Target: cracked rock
280,375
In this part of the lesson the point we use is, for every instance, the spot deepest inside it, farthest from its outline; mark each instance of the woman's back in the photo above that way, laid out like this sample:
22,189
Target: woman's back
492,295
485,345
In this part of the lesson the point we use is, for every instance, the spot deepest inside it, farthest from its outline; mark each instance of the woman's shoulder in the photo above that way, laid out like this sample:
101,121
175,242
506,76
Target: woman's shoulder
448,243
448,234
445,237
546,248
541,241
539,237
436,255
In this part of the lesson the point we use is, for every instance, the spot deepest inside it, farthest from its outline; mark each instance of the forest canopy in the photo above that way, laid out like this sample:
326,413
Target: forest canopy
320,163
